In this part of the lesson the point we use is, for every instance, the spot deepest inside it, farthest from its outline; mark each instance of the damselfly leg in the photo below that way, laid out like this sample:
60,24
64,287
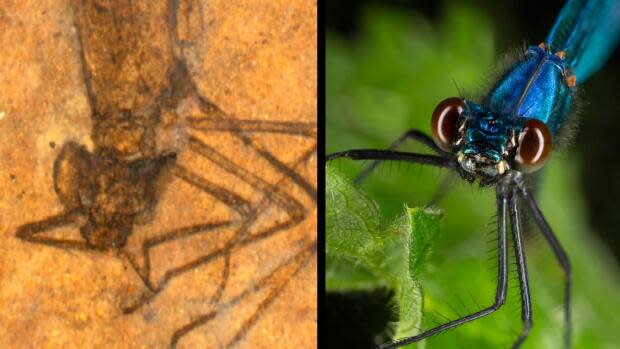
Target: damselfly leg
560,255
517,238
502,280
427,141
413,135
510,190
390,155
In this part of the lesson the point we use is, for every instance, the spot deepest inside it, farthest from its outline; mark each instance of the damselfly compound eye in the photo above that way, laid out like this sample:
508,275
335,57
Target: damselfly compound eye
535,145
444,123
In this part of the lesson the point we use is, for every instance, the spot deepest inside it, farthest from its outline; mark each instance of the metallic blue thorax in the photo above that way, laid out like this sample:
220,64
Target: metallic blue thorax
541,84
534,88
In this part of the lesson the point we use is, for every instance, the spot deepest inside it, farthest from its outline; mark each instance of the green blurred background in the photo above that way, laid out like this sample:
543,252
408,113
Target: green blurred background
388,64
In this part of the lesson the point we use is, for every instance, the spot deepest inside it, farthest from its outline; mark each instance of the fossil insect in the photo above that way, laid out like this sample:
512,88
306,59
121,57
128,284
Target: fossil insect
139,85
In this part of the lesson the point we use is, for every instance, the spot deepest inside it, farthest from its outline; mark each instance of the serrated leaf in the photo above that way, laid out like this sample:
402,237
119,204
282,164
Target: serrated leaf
364,253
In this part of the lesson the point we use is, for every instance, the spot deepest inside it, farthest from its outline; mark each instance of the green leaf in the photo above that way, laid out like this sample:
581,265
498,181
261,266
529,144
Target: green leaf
426,226
364,253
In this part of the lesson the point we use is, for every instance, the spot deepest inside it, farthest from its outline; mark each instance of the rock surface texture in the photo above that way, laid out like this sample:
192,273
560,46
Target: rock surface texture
158,174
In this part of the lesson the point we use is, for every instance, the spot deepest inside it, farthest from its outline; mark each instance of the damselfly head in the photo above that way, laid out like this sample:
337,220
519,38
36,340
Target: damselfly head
487,145
477,139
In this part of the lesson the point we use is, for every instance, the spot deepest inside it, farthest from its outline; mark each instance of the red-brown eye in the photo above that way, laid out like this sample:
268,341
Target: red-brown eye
535,145
444,123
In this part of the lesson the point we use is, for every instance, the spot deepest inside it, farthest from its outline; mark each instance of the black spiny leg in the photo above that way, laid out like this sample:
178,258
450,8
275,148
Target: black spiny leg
382,155
526,304
414,135
502,280
560,255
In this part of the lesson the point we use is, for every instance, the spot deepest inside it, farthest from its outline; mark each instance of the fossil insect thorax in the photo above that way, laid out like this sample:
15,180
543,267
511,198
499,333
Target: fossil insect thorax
114,186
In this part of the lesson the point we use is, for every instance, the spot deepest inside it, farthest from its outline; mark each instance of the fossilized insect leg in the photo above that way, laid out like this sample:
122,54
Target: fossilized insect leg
236,202
285,201
278,279
215,113
243,207
29,232
241,239
244,240
303,129
217,120
181,233
223,252
297,264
